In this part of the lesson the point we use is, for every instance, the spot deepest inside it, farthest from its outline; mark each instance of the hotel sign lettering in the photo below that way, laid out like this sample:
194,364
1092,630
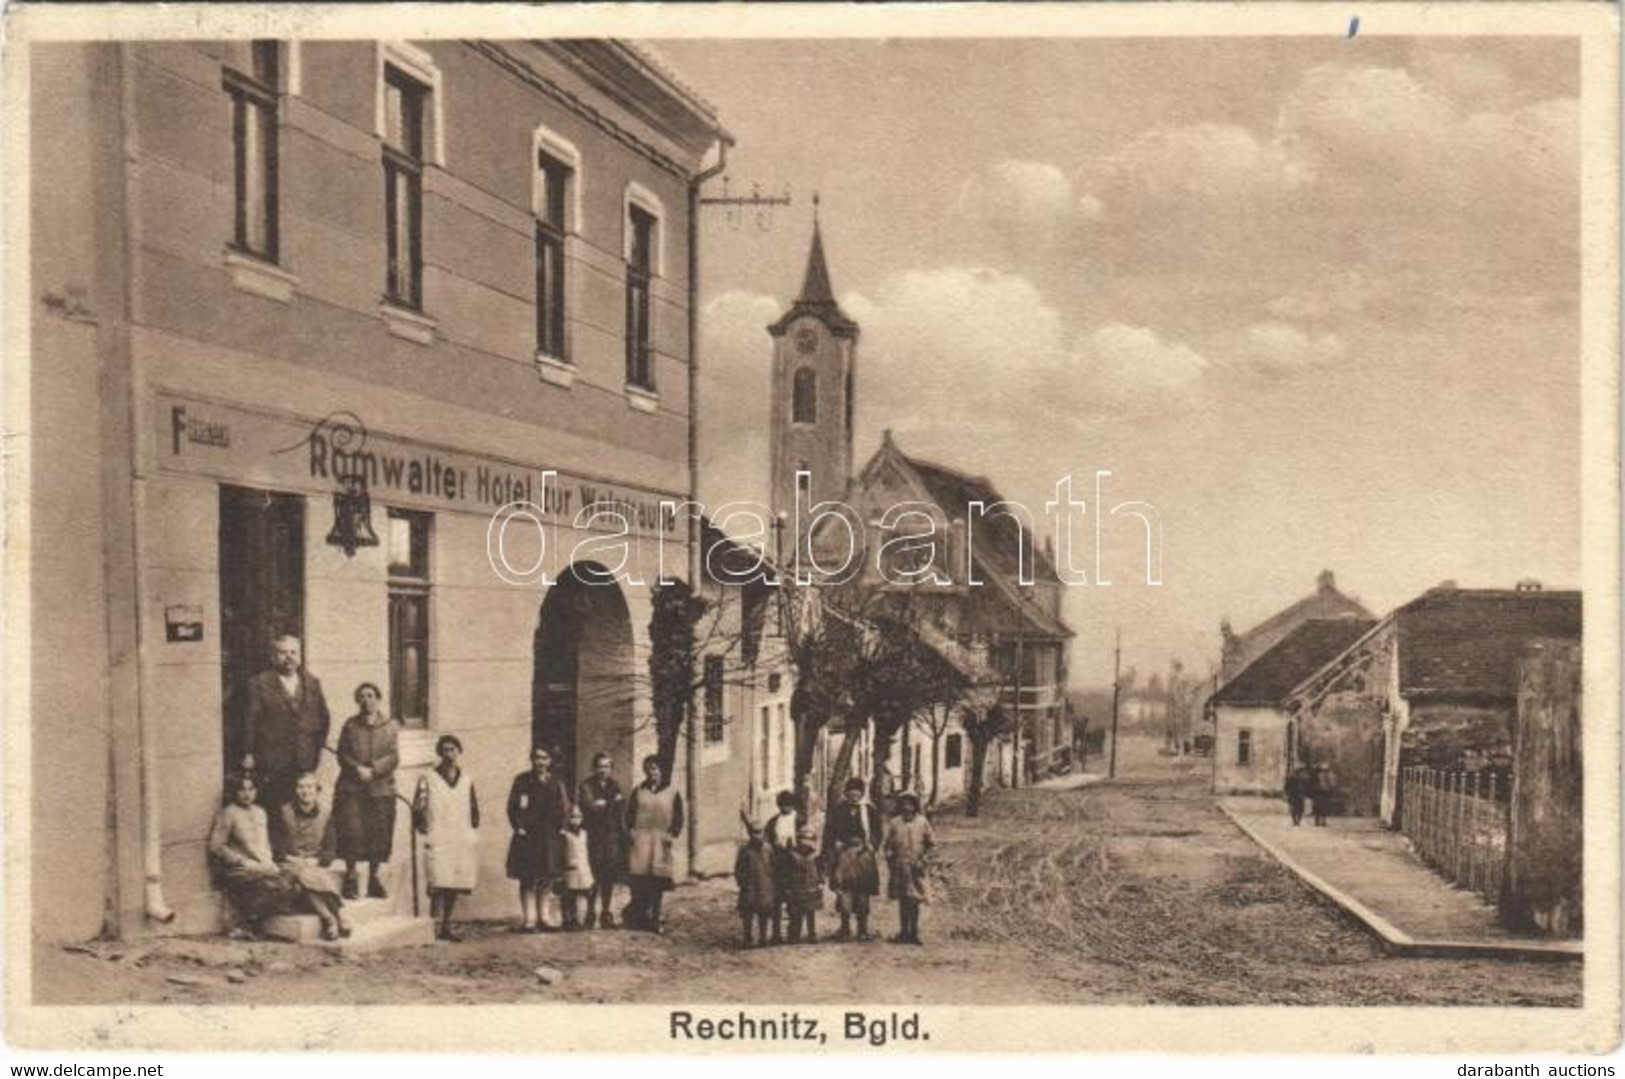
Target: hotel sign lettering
248,447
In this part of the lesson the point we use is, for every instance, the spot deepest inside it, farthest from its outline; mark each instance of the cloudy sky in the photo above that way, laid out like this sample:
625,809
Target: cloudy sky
1315,299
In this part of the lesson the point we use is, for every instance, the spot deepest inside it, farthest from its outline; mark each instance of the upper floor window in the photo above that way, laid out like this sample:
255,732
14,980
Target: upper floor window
641,228
804,403
405,102
554,179
254,150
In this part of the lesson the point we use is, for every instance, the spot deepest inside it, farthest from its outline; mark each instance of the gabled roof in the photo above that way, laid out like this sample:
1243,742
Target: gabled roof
997,537
1326,601
1466,642
817,296
1271,677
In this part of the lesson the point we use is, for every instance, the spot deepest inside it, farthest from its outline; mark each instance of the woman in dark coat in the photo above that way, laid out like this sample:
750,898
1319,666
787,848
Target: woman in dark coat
538,808
364,796
603,813
852,834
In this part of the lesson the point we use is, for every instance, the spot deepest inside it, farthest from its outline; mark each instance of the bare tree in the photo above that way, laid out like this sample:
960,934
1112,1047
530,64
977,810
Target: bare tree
982,725
935,721
902,677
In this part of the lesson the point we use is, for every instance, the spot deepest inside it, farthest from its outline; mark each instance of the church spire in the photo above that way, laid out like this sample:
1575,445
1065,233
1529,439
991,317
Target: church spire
815,286
817,296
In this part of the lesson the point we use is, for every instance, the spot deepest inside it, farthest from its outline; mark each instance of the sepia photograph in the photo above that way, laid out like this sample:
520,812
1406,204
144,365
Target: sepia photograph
873,529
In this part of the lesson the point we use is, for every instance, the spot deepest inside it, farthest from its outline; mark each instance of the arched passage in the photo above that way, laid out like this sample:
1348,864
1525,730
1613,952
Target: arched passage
584,681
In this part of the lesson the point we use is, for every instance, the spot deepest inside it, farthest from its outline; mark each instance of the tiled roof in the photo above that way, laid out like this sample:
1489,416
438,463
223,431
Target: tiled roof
1324,602
1467,641
1271,677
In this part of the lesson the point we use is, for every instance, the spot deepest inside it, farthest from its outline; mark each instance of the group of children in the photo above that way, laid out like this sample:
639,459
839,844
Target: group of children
781,869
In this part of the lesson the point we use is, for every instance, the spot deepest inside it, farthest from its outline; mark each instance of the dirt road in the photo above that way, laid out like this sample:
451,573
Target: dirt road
1131,892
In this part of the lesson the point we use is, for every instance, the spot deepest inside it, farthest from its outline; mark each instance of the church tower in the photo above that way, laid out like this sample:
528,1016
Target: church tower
814,352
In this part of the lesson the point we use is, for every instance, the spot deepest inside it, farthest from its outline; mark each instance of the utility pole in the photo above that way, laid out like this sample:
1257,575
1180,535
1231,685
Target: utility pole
1015,771
1117,686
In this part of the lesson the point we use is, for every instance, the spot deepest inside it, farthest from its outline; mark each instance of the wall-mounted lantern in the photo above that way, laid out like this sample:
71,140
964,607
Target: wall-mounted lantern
352,516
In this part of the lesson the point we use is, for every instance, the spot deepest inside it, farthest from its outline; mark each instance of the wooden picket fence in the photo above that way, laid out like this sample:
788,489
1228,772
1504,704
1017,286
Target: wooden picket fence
1457,821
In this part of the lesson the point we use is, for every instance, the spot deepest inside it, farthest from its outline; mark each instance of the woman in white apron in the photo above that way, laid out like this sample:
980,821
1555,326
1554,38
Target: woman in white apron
447,812
654,816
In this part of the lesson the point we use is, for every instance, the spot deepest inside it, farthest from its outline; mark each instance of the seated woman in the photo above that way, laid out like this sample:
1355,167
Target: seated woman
240,845
306,851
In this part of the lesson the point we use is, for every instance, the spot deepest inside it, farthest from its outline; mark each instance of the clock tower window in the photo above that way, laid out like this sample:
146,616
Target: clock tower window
804,399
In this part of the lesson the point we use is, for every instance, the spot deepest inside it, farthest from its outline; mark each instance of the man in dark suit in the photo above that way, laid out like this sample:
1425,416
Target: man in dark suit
285,724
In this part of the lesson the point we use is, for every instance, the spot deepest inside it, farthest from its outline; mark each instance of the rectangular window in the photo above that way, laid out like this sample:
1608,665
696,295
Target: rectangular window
254,152
713,700
408,553
1244,747
782,767
554,180
764,748
639,269
953,754
404,104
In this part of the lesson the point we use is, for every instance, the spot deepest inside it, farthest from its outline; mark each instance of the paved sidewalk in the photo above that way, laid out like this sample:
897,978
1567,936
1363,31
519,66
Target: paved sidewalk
1373,874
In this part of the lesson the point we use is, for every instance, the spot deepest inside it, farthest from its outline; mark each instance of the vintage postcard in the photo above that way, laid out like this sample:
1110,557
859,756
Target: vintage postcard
862,529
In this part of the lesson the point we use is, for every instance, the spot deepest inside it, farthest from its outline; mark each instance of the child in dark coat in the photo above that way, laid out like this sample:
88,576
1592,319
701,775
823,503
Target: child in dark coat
758,888
805,895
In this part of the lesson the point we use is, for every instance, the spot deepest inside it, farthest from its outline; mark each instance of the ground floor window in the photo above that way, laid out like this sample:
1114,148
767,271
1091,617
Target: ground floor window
408,554
953,754
1244,747
714,721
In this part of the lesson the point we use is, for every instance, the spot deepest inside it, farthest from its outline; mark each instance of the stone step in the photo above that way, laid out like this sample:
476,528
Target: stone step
366,935
374,924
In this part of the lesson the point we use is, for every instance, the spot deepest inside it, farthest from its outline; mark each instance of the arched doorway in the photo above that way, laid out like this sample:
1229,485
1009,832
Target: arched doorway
584,679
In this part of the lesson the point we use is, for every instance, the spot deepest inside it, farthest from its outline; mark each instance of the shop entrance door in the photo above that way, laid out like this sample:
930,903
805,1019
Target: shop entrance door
262,593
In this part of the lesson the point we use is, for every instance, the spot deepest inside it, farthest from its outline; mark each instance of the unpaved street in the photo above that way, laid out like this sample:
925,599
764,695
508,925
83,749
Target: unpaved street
1132,892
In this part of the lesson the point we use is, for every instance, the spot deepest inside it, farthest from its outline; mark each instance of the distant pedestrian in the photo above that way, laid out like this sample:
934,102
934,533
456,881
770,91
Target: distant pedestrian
758,887
446,810
852,835
805,893
654,817
603,809
1297,791
1323,793
577,882
908,849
